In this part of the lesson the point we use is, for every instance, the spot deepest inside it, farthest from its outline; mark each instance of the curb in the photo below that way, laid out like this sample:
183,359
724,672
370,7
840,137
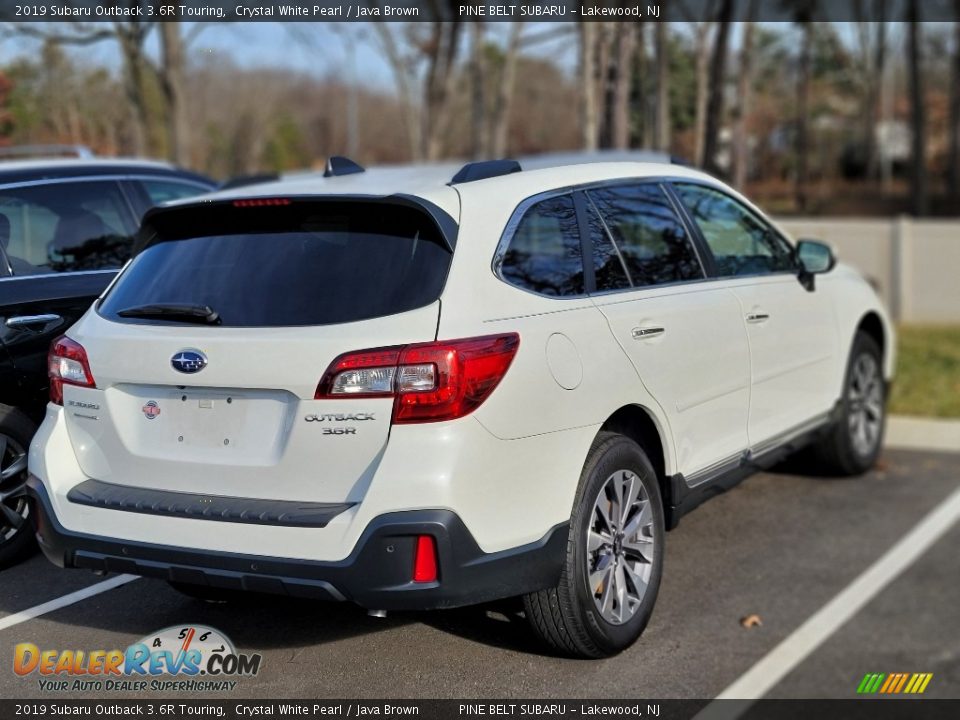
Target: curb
916,433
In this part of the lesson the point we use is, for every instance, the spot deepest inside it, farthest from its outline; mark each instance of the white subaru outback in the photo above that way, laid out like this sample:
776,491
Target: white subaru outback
413,392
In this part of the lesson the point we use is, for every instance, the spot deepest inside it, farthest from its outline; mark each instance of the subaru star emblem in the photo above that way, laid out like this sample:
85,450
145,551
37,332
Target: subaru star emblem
189,361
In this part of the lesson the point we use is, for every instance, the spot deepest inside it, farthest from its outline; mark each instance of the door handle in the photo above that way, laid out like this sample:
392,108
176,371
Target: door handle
29,322
646,333
757,317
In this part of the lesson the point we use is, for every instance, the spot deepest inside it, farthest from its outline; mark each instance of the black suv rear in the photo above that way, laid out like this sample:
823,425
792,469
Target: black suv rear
66,227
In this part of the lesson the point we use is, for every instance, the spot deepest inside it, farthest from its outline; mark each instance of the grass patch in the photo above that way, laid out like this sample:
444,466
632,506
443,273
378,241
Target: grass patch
927,380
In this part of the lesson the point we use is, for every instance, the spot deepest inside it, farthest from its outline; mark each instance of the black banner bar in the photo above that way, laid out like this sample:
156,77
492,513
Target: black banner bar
92,11
189,709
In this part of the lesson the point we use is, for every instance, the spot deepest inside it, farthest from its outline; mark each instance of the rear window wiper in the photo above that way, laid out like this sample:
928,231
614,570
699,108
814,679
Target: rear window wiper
184,313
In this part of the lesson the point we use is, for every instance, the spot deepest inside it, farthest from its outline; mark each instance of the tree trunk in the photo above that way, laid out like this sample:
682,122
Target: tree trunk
954,127
803,121
701,78
508,74
605,73
410,103
640,89
131,39
718,68
588,85
478,99
744,88
662,125
918,163
173,81
442,57
626,46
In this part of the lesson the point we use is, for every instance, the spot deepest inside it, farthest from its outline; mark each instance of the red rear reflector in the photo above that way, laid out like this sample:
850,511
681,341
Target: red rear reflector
429,381
262,202
425,560
67,364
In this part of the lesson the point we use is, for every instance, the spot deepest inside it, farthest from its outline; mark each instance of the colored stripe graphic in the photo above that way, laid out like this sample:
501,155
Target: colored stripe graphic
894,683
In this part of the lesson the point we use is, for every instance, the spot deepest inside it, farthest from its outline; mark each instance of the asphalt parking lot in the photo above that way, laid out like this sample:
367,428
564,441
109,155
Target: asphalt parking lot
780,546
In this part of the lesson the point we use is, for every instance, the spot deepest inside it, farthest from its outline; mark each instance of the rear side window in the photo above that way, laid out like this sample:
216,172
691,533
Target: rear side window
543,254
308,263
65,226
649,238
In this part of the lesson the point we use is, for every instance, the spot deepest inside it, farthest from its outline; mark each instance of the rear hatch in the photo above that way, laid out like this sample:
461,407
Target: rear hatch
207,352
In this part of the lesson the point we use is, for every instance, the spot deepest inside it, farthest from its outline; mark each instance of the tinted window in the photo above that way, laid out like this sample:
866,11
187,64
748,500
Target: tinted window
161,191
648,234
304,264
65,226
740,241
609,270
543,254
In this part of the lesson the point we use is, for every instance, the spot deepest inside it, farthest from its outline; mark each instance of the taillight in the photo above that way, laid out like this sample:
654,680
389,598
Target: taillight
428,381
67,364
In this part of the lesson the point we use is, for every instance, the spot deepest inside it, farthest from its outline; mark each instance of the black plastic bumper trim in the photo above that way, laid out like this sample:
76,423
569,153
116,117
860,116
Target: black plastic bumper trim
196,506
376,575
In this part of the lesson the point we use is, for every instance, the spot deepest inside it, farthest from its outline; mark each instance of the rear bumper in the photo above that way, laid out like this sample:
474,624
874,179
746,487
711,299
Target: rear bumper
376,575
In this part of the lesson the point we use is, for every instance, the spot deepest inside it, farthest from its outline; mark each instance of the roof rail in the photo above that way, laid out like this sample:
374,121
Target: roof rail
485,169
338,165
35,151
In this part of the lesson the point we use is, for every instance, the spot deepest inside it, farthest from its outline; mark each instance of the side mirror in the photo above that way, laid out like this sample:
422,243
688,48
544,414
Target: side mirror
814,258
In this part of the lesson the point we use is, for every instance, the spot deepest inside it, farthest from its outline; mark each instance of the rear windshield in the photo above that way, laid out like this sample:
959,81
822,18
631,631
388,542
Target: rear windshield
307,263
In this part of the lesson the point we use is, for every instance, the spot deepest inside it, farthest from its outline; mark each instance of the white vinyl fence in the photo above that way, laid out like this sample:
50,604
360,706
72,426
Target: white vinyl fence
915,264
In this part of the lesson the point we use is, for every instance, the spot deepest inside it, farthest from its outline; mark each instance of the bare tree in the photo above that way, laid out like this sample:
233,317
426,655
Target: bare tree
623,80
804,17
872,43
404,73
718,77
479,134
744,96
173,81
953,174
918,115
440,47
504,100
589,123
662,124
131,36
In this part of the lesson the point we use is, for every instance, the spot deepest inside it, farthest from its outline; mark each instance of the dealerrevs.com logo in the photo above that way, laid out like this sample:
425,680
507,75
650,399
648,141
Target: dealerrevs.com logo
179,658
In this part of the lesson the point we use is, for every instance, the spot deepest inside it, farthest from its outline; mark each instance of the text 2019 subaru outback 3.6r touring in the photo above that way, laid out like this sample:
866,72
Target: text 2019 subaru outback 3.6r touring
412,393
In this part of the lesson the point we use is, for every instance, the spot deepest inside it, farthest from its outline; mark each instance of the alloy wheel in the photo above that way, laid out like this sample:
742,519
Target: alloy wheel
14,508
620,547
865,402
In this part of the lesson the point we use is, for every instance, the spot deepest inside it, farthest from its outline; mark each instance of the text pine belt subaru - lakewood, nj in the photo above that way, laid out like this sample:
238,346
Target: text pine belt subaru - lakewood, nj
413,392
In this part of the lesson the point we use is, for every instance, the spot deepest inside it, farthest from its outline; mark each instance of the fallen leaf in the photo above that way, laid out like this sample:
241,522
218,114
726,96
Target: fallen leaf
750,621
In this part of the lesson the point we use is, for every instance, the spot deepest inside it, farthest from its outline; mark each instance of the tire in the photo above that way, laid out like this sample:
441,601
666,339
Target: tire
582,617
17,539
852,444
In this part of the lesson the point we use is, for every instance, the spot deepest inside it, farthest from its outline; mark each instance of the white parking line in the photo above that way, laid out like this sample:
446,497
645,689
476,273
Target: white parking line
775,665
61,602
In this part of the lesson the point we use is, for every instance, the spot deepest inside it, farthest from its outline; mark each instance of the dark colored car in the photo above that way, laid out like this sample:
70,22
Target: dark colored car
66,228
